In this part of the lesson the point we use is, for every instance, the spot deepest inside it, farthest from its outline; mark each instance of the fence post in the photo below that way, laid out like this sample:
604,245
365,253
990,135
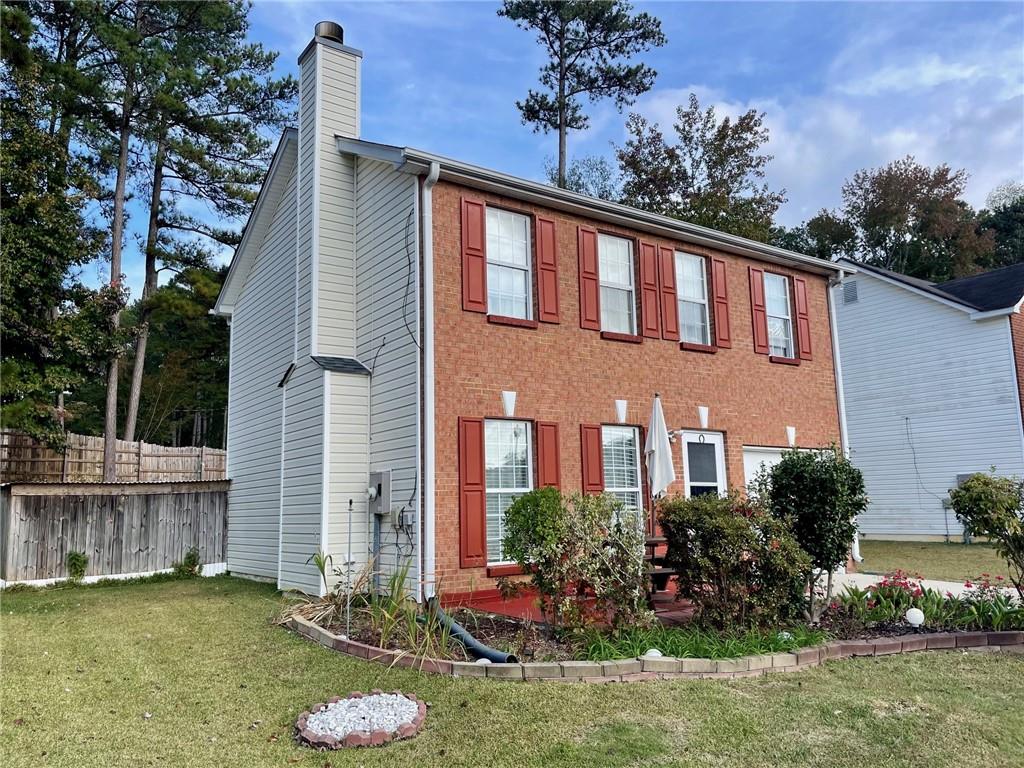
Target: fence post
64,464
202,460
138,462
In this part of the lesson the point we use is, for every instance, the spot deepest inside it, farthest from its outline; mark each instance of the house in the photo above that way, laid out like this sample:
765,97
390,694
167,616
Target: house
932,378
415,340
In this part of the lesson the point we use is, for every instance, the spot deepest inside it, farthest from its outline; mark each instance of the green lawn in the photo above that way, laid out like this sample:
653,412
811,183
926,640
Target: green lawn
931,559
82,666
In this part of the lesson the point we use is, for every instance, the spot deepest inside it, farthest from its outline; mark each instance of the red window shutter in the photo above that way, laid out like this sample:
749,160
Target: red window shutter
548,473
650,301
474,255
803,323
547,271
669,294
472,494
758,312
593,458
590,286
720,295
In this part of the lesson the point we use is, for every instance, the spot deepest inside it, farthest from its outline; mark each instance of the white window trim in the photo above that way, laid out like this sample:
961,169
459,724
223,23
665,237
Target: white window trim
631,287
718,440
639,487
529,475
680,256
788,317
528,269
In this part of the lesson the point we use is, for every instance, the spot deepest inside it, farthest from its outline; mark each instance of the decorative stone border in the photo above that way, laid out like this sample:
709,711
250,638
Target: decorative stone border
358,738
666,667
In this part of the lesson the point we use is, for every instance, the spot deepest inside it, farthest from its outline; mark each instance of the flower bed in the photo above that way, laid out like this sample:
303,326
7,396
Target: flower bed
666,667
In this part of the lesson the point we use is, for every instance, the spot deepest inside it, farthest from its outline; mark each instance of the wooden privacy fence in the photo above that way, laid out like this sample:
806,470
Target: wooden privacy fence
122,529
24,460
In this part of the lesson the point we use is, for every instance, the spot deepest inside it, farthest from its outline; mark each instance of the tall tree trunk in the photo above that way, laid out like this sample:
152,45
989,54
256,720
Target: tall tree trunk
116,236
148,289
562,109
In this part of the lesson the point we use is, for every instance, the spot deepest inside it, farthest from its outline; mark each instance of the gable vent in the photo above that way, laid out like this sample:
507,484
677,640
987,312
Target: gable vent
850,292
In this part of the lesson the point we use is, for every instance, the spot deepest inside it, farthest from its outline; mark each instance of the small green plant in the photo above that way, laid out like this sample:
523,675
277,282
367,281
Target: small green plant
323,563
694,642
991,506
190,565
737,564
819,494
76,563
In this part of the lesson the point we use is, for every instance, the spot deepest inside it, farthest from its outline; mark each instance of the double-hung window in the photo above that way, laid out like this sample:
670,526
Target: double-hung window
508,264
691,279
615,267
780,323
508,461
621,449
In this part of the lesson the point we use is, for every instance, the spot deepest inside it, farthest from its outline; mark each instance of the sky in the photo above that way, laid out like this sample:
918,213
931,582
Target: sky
843,86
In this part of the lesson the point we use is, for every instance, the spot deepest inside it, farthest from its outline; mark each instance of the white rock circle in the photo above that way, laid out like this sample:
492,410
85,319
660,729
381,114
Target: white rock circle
376,712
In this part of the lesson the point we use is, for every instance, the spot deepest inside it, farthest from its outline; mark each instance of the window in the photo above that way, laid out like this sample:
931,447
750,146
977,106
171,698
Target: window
508,263
615,267
704,463
780,324
691,279
621,449
508,462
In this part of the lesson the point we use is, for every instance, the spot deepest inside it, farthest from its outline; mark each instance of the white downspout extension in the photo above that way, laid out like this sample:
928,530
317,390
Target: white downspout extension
837,363
428,489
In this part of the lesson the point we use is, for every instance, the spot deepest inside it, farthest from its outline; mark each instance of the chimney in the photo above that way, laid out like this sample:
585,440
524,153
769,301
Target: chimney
328,108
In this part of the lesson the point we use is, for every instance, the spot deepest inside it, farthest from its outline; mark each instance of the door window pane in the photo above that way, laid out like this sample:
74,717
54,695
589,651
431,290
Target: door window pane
701,458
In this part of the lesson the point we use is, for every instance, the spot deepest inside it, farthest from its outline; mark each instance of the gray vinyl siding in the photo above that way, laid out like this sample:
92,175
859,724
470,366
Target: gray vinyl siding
347,450
930,394
261,351
388,311
338,74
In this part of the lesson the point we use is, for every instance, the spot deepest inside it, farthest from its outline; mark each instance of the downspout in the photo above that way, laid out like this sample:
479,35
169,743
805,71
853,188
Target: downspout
837,364
428,490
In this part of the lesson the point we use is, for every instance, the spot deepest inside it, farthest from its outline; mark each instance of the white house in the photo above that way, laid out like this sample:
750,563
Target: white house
932,381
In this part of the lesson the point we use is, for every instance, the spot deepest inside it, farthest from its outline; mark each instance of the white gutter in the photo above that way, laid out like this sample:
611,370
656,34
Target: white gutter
837,366
429,430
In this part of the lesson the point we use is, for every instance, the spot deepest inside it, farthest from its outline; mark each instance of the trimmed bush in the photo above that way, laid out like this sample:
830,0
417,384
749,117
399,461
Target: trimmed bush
819,495
584,554
739,565
77,563
991,506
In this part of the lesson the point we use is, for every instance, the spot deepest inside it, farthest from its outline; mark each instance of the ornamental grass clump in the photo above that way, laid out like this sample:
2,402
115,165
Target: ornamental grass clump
585,557
737,564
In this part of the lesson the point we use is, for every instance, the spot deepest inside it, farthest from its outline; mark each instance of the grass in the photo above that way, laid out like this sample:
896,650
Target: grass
694,643
931,559
81,667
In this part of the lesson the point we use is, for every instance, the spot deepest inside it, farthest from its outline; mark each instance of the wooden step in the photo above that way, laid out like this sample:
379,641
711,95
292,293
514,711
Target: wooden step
662,571
654,541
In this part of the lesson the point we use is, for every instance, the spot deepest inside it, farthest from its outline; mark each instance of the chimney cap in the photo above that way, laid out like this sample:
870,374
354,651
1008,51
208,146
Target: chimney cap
330,30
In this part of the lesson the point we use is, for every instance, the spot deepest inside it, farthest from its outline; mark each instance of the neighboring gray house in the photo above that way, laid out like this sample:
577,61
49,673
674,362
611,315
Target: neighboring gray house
931,376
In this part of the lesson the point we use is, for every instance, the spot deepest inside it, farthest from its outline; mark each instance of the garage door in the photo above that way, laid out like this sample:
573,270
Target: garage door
756,458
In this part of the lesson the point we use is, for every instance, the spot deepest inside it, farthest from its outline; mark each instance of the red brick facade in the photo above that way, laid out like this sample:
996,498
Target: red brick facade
571,376
1017,336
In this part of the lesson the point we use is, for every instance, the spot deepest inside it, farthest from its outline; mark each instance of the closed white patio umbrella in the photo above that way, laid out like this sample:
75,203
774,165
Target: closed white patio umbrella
658,451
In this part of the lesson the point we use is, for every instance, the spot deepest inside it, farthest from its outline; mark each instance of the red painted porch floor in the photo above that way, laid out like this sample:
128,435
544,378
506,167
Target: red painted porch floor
668,611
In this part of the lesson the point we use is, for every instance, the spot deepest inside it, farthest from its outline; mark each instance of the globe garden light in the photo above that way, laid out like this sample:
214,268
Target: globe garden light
915,617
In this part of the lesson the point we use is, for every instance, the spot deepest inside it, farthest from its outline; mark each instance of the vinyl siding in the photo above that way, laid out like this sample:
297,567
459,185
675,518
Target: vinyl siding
388,310
261,351
339,73
930,394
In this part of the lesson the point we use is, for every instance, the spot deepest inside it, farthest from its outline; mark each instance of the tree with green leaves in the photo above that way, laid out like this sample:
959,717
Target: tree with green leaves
588,46
1004,218
711,174
214,100
55,332
911,219
590,175
826,236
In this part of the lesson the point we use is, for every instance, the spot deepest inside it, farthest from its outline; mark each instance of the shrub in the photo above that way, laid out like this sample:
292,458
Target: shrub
76,563
190,565
993,507
738,565
819,494
585,556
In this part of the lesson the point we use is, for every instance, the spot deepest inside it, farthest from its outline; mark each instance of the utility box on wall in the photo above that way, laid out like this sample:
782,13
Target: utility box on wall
380,492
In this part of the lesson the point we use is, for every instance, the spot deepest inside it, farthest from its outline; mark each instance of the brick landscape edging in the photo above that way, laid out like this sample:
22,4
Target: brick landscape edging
358,738
663,667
